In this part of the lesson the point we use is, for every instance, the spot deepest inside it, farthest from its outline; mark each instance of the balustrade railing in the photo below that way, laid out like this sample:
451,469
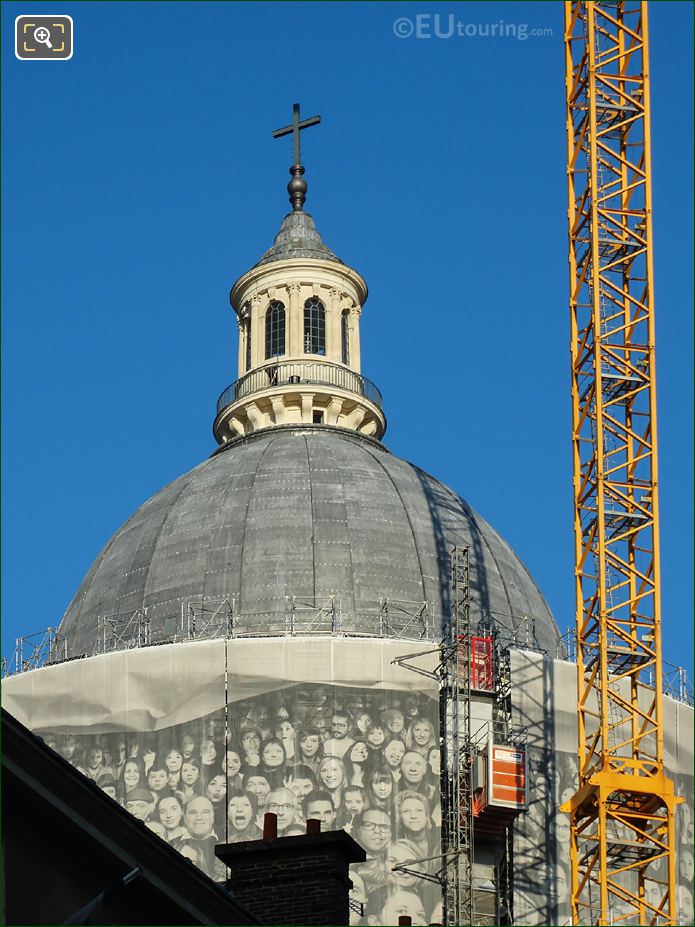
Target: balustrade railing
290,373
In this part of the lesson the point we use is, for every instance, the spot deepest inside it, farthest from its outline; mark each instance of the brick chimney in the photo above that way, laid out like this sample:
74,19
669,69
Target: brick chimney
294,880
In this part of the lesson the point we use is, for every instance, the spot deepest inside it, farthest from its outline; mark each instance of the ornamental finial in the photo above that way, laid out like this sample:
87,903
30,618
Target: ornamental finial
297,187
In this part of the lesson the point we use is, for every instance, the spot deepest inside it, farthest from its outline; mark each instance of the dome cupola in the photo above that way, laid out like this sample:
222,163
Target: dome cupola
298,311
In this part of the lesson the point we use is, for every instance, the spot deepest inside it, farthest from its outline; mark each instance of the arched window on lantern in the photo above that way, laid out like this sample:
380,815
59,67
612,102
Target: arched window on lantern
314,326
345,336
275,330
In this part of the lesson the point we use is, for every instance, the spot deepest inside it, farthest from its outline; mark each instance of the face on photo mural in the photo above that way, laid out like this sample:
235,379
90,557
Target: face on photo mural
211,780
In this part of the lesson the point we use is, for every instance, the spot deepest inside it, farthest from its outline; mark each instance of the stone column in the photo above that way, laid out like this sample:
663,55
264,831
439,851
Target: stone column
355,312
333,345
283,295
257,333
241,358
295,321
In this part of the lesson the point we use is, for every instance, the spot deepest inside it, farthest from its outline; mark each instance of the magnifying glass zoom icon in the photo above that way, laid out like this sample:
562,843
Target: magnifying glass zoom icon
43,36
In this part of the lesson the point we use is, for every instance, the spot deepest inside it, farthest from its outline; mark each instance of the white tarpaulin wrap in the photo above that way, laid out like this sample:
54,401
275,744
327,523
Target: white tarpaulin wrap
255,668
200,739
138,690
152,688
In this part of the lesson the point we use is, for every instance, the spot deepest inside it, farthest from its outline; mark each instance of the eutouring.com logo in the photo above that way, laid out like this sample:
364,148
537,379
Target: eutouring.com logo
449,26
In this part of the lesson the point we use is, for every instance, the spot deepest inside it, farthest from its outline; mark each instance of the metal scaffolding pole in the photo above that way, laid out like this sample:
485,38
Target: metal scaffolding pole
455,704
455,872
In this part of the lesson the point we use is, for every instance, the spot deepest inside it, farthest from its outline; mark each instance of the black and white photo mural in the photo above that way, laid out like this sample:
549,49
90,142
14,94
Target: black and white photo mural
365,762
199,739
364,758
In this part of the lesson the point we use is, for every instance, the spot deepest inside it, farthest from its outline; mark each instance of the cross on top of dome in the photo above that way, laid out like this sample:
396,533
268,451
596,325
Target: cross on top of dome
297,187
295,128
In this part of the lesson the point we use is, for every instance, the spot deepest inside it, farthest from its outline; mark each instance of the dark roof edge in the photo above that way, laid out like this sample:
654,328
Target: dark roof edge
338,840
275,429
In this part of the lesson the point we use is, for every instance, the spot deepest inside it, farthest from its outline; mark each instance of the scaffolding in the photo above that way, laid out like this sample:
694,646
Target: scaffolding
120,632
33,651
455,711
464,749
502,718
452,869
675,681
208,619
401,618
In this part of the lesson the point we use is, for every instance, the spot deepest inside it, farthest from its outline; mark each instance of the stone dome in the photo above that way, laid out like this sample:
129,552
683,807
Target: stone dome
298,238
304,511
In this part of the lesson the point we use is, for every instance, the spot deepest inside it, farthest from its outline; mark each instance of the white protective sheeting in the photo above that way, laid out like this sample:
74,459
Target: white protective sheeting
152,688
129,690
257,667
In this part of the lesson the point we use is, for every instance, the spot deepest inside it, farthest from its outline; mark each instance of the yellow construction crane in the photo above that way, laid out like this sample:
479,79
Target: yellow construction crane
622,816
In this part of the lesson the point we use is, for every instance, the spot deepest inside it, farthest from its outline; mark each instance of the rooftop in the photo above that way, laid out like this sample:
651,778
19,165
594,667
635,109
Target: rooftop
298,238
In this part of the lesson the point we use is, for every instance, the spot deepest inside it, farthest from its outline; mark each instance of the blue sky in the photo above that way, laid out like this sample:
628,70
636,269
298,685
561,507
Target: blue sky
140,179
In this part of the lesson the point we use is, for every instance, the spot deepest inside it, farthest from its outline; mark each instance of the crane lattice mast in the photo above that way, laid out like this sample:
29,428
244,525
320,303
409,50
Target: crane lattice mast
622,816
